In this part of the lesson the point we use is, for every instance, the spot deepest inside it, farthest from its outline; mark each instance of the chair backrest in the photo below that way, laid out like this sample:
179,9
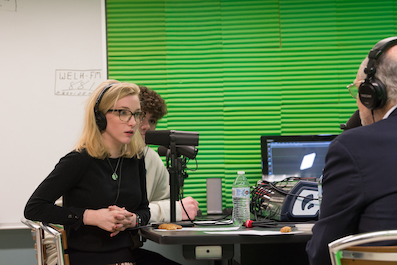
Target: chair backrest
37,234
59,236
346,251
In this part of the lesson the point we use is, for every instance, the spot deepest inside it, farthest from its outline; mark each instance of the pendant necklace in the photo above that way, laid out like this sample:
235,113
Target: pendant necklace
114,175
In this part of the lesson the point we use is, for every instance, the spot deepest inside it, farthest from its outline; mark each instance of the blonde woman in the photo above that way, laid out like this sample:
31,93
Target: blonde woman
102,181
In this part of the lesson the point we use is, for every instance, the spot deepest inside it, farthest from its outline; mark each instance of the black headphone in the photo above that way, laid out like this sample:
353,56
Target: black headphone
100,118
372,91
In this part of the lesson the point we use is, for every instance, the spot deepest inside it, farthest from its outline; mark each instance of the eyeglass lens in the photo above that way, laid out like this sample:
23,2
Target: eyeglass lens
353,90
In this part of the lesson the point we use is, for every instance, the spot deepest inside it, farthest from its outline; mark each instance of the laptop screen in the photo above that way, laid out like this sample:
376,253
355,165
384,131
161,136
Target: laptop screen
298,156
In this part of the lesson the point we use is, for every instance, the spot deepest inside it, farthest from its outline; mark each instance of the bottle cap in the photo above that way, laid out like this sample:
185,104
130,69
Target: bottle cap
240,172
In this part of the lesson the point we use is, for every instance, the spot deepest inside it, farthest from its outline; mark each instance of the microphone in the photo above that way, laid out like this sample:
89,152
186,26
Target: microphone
163,151
353,122
165,137
188,151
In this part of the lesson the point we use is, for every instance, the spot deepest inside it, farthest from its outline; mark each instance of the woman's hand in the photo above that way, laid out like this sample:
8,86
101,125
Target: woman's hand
127,215
112,219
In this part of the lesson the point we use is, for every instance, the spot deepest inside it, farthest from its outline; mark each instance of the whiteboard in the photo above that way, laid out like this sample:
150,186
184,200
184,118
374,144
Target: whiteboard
52,55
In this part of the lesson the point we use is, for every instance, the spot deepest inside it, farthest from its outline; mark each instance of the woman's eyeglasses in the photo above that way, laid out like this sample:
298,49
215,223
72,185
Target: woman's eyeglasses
126,115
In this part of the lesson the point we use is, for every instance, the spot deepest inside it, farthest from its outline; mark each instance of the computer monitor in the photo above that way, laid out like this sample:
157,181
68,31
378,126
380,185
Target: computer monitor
300,156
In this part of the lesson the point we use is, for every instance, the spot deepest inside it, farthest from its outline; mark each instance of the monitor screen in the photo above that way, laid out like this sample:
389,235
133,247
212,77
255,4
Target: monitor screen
298,156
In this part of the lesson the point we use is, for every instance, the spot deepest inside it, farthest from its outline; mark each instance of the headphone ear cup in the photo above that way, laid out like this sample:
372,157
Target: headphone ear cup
100,120
372,94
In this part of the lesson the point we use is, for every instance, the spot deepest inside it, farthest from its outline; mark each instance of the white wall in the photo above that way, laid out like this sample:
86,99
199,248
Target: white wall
53,54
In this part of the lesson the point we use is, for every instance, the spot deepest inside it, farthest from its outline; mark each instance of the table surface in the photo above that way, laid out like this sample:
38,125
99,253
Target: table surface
185,237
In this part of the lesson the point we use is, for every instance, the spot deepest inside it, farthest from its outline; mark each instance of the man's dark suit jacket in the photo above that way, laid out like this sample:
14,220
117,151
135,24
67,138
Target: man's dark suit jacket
359,186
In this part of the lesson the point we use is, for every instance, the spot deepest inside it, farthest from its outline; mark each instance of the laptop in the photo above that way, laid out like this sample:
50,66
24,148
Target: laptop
300,156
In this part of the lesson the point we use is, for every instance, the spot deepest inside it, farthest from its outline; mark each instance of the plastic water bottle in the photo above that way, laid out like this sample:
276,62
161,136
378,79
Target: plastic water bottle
241,199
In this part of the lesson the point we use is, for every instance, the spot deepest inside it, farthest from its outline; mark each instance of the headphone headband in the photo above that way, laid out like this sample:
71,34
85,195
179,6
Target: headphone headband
376,52
100,96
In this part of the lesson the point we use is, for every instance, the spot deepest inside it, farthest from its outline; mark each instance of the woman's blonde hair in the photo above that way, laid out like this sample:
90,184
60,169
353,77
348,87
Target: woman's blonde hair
91,139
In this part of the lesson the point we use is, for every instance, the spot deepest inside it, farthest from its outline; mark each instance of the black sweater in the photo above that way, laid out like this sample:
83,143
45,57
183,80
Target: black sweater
86,183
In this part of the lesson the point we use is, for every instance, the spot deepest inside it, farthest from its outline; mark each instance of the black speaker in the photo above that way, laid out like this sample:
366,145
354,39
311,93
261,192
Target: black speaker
372,91
100,118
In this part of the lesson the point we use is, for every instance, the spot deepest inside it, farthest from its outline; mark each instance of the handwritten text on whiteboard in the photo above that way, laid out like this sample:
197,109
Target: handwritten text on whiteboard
77,82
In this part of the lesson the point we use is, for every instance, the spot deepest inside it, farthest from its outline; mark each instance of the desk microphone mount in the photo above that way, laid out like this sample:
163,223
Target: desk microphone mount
179,143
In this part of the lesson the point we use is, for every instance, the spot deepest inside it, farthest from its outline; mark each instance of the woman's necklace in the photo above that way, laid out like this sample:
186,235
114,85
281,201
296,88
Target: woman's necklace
114,175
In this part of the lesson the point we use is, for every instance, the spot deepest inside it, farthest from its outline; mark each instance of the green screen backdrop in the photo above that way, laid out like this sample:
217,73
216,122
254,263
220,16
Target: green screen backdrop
235,70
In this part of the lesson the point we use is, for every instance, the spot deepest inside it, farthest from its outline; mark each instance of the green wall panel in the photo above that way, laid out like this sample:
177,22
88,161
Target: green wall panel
235,70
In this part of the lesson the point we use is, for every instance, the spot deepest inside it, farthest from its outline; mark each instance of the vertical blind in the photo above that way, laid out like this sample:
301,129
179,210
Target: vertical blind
235,70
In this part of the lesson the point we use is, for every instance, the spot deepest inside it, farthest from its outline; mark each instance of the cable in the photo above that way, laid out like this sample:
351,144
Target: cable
183,207
267,198
288,193
184,176
188,162
266,202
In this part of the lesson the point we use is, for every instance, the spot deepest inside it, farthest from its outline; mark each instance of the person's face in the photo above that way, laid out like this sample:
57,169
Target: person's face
149,123
118,132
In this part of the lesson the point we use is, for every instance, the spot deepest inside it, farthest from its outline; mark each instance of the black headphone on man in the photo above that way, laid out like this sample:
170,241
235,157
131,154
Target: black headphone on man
372,91
100,118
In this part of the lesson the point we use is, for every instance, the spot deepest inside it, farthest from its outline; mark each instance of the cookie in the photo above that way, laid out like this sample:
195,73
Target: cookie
170,226
285,229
